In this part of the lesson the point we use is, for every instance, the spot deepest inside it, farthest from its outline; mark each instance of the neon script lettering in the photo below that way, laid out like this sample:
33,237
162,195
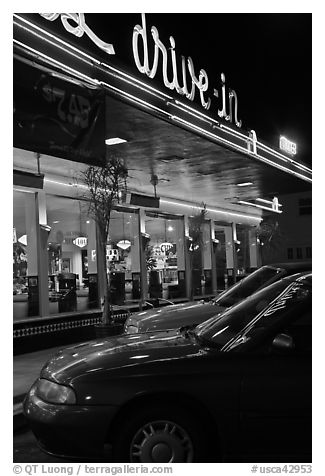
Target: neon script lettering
281,303
79,29
229,100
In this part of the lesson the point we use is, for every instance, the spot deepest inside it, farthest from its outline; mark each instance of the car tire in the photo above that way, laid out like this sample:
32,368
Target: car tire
160,434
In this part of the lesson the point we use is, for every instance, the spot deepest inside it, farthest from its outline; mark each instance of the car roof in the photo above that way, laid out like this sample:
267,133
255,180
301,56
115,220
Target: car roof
305,276
298,265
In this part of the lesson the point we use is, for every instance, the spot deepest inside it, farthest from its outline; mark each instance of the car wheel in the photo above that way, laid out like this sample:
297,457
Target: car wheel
161,434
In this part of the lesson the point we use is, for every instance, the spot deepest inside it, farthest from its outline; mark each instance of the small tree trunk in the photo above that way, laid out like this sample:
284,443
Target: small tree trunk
107,313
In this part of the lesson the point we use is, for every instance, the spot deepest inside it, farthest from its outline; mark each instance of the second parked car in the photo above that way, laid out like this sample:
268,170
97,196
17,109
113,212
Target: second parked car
193,313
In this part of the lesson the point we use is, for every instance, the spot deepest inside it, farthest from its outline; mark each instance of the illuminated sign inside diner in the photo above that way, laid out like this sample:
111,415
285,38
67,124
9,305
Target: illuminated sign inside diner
81,241
229,101
164,247
288,146
75,24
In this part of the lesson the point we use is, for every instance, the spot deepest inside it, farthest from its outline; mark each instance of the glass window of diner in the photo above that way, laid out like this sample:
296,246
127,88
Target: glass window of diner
72,268
201,266
123,257
24,254
243,242
164,251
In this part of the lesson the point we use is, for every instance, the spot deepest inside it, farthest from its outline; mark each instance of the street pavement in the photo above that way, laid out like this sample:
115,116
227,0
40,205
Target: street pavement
25,449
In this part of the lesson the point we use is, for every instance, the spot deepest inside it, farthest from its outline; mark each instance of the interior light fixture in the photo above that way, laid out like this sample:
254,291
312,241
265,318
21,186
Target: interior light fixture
244,184
124,244
170,228
114,141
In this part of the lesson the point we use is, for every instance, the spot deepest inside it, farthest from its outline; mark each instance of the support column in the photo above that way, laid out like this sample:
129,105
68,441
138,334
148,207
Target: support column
231,257
181,256
93,291
253,248
37,232
234,247
213,248
100,267
207,236
142,255
137,283
42,254
188,262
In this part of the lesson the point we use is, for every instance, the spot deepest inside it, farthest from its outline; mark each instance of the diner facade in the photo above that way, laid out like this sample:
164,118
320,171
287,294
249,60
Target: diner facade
199,185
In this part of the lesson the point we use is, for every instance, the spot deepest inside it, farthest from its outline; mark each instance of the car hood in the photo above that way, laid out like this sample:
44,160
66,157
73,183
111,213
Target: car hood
173,317
119,355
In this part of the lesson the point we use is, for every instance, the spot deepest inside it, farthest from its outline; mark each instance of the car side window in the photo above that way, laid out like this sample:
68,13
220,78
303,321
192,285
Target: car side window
301,332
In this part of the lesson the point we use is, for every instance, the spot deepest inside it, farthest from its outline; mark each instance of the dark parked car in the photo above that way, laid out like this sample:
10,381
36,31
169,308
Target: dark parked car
193,313
238,387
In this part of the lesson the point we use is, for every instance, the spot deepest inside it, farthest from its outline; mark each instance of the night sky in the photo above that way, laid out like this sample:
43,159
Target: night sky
266,58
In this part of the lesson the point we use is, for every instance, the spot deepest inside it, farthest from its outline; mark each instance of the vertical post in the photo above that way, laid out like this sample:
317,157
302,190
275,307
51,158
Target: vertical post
231,255
91,247
207,230
234,248
100,257
213,257
31,226
253,249
31,220
93,289
188,264
37,235
181,256
142,255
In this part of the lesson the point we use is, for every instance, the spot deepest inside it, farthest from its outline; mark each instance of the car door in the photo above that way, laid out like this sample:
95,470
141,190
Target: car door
275,400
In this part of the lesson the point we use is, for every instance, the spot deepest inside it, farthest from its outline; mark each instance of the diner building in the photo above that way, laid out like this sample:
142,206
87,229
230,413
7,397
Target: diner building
190,164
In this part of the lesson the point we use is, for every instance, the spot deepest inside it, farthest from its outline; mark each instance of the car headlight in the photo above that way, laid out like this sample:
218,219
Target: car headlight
131,329
52,392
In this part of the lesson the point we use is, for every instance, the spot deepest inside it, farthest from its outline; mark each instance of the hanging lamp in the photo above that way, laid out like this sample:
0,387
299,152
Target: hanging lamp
165,246
123,244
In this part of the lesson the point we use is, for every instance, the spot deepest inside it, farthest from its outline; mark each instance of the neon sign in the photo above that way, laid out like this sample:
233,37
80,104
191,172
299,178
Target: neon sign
190,82
229,102
80,28
270,205
288,146
281,302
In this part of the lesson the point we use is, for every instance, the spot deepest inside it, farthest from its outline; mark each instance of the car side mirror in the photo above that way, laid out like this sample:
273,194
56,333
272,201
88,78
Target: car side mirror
282,343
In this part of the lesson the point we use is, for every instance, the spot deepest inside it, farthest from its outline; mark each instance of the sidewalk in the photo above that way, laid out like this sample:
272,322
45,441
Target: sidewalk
26,369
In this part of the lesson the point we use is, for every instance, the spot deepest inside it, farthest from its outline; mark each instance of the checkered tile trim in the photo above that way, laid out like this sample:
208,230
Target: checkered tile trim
37,328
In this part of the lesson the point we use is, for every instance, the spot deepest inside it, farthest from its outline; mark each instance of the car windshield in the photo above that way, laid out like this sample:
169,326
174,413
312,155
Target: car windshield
247,286
221,329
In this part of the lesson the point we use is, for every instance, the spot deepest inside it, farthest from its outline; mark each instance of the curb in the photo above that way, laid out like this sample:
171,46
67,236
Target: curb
19,421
